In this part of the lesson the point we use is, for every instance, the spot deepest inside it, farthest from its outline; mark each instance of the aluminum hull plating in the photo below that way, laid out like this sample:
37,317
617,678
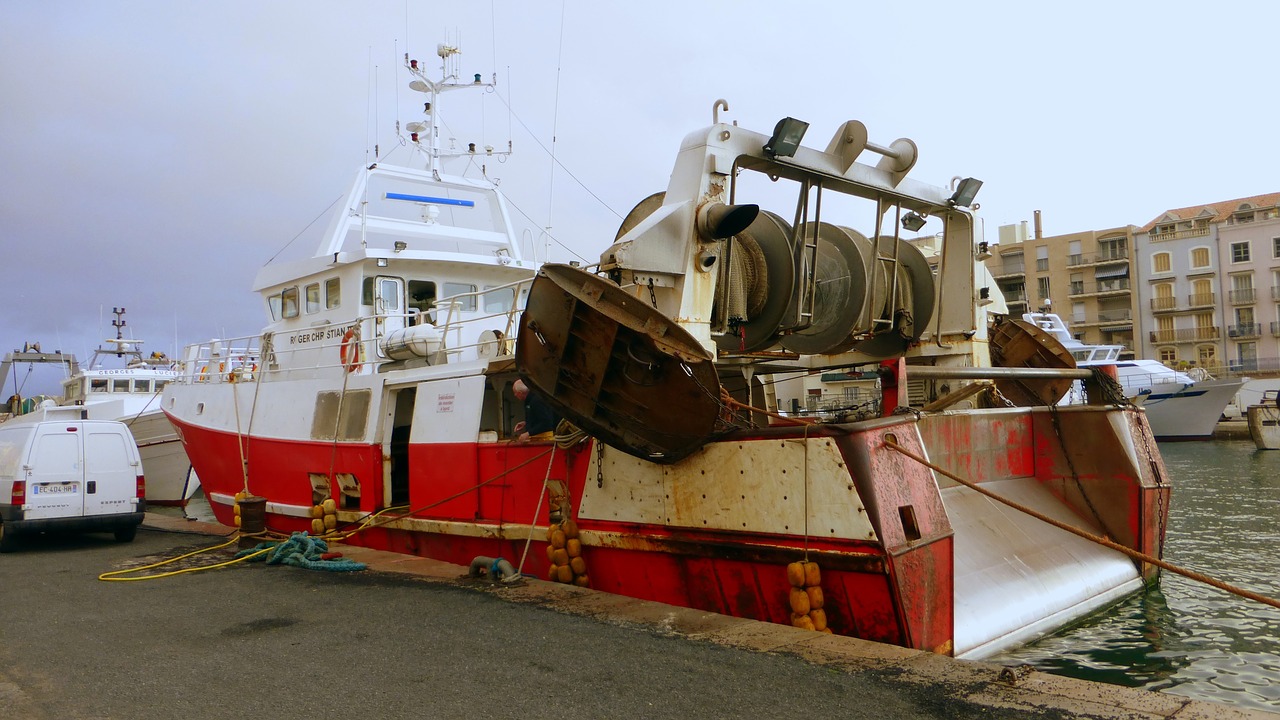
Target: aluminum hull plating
907,558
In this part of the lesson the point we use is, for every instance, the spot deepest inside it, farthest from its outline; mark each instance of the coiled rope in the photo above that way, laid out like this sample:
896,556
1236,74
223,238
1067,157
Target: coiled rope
1193,575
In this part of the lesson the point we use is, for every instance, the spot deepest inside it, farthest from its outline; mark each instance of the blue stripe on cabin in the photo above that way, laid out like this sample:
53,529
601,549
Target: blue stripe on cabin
427,199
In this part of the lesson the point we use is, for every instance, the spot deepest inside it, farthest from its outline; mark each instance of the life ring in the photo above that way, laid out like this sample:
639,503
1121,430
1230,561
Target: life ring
350,350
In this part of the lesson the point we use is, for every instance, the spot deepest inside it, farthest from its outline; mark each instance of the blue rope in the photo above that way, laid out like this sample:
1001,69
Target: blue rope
301,550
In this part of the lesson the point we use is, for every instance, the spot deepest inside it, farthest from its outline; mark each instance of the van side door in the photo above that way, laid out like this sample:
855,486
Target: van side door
55,472
110,470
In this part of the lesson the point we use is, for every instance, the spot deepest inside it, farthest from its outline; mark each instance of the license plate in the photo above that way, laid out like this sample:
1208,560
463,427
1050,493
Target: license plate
56,488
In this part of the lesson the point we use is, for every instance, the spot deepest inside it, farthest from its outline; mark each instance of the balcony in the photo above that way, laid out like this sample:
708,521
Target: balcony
1179,234
1103,256
1014,296
1199,334
1198,300
1246,331
1115,316
1243,296
1164,304
1102,287
1008,270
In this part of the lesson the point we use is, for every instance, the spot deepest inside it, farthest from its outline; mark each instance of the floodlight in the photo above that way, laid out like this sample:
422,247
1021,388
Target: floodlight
786,138
965,192
913,221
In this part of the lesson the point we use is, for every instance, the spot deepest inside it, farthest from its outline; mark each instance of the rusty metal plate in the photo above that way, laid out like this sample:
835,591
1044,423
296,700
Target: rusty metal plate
616,367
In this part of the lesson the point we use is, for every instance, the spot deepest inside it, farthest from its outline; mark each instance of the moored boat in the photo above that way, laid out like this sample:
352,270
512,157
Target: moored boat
383,383
1179,406
1263,418
121,383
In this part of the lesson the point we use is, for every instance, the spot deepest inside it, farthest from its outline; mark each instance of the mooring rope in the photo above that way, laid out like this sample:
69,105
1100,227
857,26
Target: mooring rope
893,445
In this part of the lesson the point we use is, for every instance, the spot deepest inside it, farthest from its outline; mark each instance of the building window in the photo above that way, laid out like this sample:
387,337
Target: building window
1275,247
1168,355
1161,263
1042,258
1239,252
1207,355
1043,287
1200,257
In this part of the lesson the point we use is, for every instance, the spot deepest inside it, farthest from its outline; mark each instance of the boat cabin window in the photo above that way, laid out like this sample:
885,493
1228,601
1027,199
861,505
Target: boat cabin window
142,386
332,293
120,385
422,297
289,302
73,389
98,385
313,298
160,385
273,306
500,300
464,303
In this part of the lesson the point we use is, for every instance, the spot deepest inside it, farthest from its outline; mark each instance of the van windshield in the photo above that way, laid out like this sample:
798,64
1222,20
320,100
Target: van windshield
12,442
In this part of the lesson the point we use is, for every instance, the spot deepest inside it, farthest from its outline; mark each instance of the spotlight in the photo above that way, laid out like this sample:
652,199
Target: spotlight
913,221
786,138
965,192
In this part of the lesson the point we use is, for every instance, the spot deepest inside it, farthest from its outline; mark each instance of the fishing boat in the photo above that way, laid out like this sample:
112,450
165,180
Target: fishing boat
378,399
1179,405
1263,418
121,383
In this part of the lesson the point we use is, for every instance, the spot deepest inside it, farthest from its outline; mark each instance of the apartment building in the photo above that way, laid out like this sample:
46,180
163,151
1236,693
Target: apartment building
1087,278
1211,285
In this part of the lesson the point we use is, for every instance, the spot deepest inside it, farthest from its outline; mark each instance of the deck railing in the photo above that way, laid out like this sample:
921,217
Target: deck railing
357,345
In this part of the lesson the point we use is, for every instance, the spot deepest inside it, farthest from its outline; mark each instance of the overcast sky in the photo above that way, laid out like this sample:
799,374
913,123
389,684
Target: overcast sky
156,154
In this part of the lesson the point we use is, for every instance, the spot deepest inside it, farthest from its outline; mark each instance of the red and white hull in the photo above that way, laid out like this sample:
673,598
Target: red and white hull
907,557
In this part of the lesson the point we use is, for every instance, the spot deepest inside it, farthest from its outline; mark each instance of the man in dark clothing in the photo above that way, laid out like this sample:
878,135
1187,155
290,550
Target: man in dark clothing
539,419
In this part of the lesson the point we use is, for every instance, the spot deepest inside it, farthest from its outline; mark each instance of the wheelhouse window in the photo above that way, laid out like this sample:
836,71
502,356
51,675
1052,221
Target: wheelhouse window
142,386
289,303
273,306
160,385
98,385
313,298
332,293
466,304
120,385
421,296
500,300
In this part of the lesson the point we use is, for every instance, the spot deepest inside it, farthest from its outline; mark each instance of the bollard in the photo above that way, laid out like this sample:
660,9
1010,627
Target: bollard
253,520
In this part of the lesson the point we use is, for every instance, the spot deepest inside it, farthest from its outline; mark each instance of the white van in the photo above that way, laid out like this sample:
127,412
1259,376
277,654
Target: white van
60,472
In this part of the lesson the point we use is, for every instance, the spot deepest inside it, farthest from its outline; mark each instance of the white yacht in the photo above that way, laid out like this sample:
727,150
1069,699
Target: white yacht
1179,405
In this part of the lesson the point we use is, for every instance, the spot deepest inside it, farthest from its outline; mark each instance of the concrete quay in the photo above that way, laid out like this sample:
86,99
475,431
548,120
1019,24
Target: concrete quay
416,638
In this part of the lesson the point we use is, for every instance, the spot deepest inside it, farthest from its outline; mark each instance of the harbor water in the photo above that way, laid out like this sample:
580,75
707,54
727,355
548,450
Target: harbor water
1184,637
1180,637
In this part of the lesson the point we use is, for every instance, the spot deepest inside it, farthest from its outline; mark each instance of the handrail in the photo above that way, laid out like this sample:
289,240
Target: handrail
244,359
